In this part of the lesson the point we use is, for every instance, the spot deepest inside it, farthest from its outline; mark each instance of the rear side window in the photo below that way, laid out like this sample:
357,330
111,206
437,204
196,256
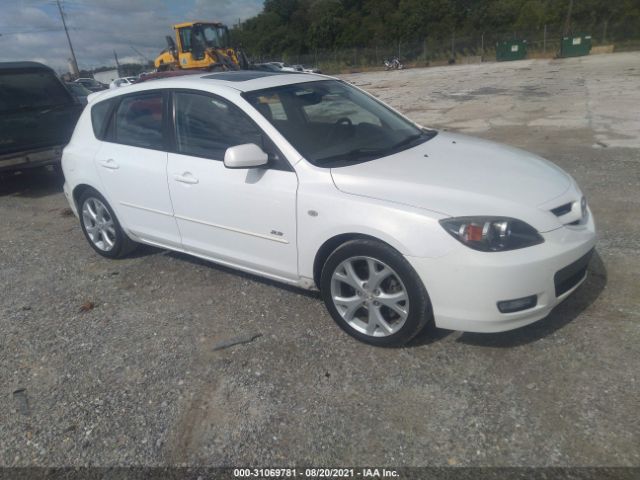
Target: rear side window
138,121
100,117
25,90
207,126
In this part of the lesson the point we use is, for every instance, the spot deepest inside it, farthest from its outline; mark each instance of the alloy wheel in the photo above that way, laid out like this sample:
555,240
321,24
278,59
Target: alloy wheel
370,296
98,224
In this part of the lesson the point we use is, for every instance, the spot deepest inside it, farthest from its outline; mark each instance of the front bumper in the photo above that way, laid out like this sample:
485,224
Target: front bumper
465,286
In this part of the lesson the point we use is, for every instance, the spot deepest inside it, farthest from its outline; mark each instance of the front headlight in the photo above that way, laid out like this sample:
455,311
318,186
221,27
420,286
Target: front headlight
492,234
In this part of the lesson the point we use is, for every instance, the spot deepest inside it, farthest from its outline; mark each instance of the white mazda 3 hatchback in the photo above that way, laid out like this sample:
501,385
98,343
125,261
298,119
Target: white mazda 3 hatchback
310,181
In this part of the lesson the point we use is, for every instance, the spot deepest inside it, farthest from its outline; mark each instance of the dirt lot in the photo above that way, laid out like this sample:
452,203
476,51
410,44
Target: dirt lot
135,380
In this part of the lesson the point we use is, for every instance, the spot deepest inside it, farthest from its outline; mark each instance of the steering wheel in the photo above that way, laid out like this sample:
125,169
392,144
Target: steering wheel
340,121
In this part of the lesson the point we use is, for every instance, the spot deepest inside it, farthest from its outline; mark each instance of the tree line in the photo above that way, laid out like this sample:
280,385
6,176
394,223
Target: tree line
293,27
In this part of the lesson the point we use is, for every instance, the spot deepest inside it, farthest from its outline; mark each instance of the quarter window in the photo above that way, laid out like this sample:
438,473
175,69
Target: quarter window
100,116
207,126
139,121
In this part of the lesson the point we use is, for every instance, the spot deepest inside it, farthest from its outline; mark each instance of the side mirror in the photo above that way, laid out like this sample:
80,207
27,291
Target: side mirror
248,155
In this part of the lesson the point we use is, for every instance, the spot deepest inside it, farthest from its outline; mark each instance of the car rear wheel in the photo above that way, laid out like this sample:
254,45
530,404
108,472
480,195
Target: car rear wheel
57,171
374,294
101,227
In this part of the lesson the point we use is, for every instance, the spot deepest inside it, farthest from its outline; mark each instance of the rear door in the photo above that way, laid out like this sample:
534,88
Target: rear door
132,164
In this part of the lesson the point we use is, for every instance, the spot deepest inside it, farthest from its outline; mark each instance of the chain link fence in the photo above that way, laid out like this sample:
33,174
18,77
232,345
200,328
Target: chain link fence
543,42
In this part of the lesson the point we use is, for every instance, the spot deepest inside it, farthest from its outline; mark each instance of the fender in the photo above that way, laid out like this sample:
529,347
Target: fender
409,230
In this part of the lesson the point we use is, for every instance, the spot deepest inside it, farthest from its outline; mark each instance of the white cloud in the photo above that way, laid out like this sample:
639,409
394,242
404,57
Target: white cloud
98,27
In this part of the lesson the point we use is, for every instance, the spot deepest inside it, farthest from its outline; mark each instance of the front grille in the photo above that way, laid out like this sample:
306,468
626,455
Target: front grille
562,209
572,274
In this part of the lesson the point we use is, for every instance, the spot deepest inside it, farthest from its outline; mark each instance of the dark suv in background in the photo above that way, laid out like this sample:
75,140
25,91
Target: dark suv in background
37,116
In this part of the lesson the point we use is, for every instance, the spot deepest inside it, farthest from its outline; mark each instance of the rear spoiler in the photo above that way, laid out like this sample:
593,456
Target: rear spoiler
95,95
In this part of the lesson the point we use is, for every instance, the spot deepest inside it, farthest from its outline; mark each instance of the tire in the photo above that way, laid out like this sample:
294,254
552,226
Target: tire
387,309
101,227
57,171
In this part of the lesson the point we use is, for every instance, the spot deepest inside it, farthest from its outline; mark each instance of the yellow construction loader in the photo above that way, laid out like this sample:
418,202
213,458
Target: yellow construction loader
201,45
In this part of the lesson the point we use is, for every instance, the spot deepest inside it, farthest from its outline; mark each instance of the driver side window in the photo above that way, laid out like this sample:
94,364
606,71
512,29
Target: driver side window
206,126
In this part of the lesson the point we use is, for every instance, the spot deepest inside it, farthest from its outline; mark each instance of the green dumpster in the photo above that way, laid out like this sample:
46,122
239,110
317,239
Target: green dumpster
575,46
511,50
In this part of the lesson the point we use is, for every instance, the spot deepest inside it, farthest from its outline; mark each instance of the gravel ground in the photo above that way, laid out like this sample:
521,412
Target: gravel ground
113,362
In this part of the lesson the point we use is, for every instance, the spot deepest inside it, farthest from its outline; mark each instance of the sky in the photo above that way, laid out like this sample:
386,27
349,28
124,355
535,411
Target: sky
32,29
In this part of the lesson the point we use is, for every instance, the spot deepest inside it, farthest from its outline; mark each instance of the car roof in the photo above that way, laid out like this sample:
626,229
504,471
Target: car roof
198,22
24,66
241,80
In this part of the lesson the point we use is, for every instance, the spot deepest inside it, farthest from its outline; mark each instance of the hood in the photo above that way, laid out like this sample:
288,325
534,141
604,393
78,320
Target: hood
456,175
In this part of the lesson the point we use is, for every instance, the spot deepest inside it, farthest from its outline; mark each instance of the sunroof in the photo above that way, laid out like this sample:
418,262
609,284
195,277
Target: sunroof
242,76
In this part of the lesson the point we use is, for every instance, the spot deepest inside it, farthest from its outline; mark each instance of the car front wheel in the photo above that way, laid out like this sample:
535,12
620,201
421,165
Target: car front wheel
374,294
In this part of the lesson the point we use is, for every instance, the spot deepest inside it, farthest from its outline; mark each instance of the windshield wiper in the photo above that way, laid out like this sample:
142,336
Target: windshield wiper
406,141
354,154
358,153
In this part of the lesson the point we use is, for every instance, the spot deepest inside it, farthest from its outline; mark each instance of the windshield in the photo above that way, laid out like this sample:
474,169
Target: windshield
214,36
78,89
332,124
31,90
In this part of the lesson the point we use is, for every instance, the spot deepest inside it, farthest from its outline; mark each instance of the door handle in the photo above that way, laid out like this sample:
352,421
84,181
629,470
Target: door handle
186,177
110,163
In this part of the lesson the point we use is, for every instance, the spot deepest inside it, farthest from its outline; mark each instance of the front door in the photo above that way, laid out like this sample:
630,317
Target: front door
240,217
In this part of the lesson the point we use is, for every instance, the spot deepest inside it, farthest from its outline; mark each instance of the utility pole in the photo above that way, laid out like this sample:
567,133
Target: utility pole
117,63
73,54
567,23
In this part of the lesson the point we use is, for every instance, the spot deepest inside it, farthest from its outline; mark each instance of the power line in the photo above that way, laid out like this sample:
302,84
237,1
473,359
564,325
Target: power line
28,32
138,52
